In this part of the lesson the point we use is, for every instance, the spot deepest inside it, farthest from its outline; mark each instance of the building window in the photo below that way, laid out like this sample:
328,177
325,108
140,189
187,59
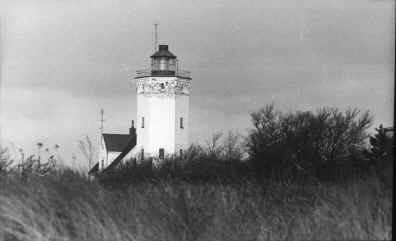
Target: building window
162,86
161,153
181,152
142,121
102,164
142,154
181,123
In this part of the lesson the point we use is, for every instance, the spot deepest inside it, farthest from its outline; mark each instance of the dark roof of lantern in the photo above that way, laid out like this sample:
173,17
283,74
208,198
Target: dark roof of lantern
163,52
116,142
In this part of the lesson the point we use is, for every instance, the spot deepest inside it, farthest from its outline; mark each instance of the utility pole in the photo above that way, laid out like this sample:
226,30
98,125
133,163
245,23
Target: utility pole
101,120
101,128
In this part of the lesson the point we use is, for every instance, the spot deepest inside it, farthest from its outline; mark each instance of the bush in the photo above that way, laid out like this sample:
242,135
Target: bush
208,194
381,155
303,146
5,161
219,160
305,142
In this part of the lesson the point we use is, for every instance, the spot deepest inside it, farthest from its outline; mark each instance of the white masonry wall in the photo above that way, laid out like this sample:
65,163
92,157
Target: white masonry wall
111,156
102,153
181,110
159,118
161,110
107,157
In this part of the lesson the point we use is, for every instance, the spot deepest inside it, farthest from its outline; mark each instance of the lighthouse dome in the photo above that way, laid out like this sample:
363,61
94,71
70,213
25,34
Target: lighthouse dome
163,52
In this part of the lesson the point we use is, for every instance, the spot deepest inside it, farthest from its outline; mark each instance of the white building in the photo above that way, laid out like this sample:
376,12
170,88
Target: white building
113,145
163,96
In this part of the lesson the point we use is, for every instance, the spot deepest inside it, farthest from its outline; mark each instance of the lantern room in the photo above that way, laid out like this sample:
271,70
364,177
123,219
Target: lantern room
163,62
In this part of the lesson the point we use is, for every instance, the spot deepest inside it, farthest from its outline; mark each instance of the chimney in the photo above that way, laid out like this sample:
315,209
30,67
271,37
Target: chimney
132,130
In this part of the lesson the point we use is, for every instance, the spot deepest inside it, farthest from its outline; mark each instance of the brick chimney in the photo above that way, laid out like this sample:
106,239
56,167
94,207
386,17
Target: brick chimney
132,130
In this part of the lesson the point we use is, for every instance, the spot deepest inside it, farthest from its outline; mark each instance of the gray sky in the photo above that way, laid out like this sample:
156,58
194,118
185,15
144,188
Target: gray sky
63,60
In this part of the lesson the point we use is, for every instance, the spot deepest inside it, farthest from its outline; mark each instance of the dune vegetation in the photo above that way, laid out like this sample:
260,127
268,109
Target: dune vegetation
296,176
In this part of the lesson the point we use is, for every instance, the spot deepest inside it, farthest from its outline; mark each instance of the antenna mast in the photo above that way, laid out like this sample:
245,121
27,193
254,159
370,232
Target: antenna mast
101,120
155,36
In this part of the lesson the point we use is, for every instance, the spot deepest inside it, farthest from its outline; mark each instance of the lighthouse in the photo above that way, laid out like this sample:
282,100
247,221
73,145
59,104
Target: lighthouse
163,96
162,118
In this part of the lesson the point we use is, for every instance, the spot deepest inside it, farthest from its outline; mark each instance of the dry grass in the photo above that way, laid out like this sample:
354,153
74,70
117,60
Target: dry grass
66,206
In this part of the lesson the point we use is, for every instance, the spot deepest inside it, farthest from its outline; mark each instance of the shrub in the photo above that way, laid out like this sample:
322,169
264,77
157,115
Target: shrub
305,142
5,161
218,160
381,155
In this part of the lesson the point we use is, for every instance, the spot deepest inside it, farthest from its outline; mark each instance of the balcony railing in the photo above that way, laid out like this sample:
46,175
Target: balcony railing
178,73
183,74
143,73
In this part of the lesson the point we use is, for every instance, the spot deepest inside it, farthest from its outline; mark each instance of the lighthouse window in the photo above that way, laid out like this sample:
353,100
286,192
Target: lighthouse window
181,152
142,121
161,153
181,123
162,85
163,64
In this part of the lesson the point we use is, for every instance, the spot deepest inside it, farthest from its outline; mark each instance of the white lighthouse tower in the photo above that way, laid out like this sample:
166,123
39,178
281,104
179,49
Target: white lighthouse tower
162,107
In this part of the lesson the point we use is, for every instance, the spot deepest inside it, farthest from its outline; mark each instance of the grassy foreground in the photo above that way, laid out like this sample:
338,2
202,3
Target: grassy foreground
66,206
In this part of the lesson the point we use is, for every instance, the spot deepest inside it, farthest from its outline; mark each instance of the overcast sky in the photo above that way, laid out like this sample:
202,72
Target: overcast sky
62,60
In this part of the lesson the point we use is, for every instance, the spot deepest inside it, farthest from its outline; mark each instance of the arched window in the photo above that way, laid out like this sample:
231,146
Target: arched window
161,153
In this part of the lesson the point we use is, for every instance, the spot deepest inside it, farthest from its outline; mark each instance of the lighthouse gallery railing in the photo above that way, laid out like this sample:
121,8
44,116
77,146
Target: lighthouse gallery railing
147,73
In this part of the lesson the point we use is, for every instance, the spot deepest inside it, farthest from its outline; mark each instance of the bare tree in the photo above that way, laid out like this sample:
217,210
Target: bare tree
213,146
305,139
232,146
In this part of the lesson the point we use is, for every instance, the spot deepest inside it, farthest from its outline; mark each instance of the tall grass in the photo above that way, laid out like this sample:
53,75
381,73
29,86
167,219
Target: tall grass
292,187
65,205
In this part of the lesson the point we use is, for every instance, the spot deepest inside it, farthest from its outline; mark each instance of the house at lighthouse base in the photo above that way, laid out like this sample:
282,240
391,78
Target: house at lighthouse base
114,150
162,125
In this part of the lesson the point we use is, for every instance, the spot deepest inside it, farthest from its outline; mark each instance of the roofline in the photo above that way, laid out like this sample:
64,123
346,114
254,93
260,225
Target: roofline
106,148
131,144
91,171
104,143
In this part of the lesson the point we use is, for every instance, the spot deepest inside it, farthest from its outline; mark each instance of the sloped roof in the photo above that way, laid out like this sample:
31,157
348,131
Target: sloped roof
116,142
130,145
